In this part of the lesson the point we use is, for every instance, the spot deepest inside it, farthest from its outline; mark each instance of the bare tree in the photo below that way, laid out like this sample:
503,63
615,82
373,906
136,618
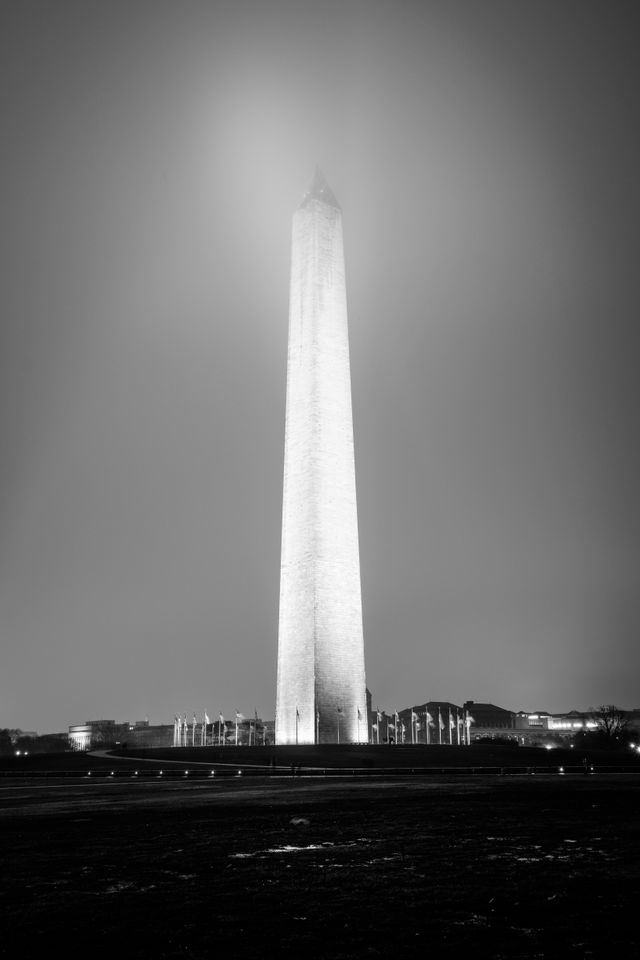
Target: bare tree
612,721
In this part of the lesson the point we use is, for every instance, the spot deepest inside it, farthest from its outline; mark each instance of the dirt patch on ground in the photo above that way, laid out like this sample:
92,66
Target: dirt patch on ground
505,867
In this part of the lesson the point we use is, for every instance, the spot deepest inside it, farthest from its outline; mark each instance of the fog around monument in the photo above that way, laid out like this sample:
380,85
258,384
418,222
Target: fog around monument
485,158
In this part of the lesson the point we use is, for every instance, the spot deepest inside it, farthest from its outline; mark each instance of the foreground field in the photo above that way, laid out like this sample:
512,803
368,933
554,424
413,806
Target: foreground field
505,867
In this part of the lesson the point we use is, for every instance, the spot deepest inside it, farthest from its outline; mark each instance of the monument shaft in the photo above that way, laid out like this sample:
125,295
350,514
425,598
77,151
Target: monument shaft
321,694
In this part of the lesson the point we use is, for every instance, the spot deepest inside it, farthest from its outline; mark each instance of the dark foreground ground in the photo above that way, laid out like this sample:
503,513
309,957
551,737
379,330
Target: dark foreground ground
440,867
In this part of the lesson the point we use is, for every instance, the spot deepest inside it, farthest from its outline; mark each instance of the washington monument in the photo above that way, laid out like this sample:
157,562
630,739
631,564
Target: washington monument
321,694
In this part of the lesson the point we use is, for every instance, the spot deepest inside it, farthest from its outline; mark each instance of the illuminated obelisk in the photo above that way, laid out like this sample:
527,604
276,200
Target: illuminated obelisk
321,694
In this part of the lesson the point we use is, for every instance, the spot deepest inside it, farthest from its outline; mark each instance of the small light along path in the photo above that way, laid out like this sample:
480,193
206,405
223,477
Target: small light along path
116,758
295,770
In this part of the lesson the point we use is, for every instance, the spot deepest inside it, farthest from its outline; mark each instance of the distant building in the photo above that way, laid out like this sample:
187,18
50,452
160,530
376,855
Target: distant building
489,716
145,734
540,727
108,733
93,733
80,736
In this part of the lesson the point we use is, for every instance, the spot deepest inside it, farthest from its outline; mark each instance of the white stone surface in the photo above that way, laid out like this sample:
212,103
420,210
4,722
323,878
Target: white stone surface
321,676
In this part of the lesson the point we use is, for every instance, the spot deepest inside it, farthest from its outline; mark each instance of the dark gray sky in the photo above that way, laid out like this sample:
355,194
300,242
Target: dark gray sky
486,158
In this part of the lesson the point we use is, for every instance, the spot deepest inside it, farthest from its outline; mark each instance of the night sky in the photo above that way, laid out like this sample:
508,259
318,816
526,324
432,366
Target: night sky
486,159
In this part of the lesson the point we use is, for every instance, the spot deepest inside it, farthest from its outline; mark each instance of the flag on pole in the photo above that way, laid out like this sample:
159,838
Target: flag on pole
440,720
468,720
428,721
206,718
